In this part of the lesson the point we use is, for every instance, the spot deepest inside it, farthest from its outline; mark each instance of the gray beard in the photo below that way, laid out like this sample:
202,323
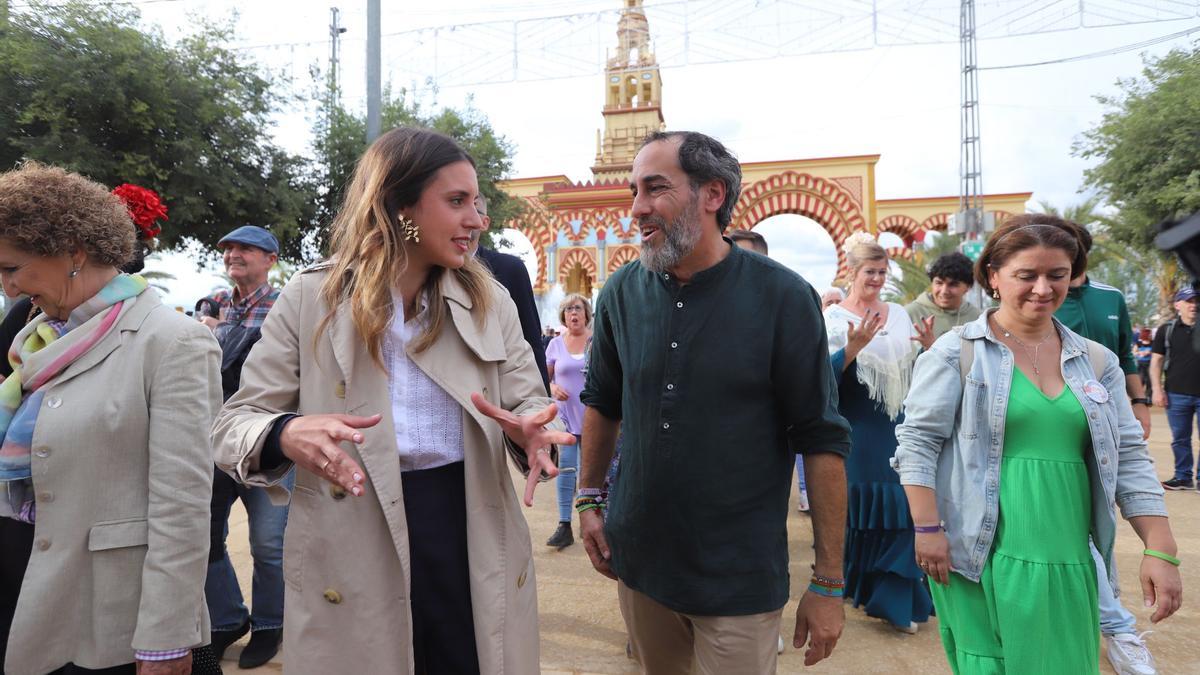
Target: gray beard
678,239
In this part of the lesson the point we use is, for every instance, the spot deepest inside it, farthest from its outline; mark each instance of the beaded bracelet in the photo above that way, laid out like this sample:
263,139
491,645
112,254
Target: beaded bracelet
588,503
588,507
1162,556
828,581
826,592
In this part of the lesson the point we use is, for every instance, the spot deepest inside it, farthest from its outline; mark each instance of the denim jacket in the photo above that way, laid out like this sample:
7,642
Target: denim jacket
952,440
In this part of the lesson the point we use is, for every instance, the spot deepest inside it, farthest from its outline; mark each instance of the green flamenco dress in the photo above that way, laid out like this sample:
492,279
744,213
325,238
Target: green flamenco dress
1035,608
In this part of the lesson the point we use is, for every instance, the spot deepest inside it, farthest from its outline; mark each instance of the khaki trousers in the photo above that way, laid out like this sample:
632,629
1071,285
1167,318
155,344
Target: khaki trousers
666,642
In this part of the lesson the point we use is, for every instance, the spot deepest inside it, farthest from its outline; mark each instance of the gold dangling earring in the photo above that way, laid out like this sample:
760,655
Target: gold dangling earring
995,294
411,233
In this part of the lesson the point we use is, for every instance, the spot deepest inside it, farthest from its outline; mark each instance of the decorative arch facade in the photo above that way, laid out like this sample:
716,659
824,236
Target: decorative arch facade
621,255
824,201
577,256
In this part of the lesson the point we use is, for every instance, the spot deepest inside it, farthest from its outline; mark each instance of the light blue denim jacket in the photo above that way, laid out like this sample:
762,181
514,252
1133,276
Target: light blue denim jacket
958,455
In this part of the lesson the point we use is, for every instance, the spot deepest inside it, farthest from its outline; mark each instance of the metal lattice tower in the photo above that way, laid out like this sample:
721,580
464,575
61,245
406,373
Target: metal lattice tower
335,55
970,204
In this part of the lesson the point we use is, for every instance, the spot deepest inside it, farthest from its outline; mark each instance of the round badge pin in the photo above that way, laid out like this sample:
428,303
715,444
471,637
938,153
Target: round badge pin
1095,391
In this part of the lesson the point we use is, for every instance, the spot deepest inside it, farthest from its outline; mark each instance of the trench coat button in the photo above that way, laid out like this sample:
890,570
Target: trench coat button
46,497
333,597
42,452
340,390
337,492
53,402
43,544
521,580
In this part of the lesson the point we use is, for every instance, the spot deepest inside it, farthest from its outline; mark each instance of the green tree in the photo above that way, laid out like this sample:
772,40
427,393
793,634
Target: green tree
85,86
1147,147
341,140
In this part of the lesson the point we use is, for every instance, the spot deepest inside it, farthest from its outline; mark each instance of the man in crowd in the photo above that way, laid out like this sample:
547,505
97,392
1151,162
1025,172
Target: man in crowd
1098,312
696,534
749,240
950,276
249,253
511,272
832,296
1174,356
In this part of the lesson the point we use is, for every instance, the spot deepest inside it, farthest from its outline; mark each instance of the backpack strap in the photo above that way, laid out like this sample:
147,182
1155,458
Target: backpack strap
966,358
1098,358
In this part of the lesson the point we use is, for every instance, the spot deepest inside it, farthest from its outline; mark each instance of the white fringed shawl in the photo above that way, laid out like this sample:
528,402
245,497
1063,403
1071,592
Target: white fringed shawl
885,365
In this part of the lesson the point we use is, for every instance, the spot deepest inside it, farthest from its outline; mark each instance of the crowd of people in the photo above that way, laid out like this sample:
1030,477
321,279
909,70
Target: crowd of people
955,460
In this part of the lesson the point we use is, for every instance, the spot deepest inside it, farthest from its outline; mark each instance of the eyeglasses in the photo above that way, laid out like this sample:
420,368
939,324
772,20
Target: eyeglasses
573,308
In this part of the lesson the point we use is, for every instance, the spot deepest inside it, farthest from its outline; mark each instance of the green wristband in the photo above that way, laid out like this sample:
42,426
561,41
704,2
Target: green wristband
1162,556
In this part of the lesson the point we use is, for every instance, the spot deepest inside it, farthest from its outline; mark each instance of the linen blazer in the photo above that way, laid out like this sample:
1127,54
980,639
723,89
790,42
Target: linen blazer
346,558
122,473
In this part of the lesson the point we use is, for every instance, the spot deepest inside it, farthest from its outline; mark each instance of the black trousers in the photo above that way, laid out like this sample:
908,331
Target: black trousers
435,502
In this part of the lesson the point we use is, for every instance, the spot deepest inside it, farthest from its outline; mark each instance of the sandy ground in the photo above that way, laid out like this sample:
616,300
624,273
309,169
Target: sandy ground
582,631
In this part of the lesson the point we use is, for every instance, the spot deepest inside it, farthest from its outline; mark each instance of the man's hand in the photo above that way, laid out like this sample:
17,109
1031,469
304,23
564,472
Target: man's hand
1160,398
819,621
1142,413
925,334
529,432
311,441
591,531
179,666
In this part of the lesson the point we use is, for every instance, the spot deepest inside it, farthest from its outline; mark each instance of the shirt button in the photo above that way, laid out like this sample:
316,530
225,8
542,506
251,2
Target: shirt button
1104,460
674,345
666,425
43,544
670,387
679,305
53,402
667,277
42,452
332,596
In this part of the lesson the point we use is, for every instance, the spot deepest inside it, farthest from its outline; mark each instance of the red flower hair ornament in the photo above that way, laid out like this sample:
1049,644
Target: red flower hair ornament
145,208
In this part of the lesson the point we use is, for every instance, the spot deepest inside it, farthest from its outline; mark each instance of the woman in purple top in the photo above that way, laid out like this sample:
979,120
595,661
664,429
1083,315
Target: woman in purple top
566,363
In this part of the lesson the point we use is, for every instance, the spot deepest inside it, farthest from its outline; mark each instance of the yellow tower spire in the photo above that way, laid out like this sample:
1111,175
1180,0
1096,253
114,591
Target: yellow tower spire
633,95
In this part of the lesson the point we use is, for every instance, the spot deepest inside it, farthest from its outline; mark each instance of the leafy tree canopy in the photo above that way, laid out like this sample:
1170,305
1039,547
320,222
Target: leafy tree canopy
1148,147
341,140
86,87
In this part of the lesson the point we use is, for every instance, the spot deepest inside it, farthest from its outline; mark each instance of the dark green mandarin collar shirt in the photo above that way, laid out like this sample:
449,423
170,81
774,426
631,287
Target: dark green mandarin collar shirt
714,382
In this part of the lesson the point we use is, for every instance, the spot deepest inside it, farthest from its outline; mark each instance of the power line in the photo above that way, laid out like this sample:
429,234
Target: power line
1107,52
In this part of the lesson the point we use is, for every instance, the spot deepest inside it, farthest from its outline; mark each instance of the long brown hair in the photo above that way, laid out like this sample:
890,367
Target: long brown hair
367,247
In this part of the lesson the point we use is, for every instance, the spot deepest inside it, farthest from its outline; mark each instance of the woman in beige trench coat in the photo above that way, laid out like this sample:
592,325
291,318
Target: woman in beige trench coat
406,550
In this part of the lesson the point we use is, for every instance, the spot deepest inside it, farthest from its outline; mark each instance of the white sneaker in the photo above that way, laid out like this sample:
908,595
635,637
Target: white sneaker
802,502
780,645
1128,654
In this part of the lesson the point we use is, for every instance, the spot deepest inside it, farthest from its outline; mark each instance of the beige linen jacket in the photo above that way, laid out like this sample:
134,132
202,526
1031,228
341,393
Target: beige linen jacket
122,472
346,558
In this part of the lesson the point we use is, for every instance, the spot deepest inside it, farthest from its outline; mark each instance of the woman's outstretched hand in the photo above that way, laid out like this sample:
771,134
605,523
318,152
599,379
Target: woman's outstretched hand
311,441
530,433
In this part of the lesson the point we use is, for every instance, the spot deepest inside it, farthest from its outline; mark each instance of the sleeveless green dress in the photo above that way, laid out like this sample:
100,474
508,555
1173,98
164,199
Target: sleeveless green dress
1035,609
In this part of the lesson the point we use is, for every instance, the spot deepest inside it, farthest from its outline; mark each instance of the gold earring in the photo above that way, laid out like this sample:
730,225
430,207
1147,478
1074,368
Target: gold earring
995,294
411,233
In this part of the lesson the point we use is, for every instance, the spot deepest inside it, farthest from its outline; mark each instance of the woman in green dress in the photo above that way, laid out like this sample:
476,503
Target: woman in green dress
1018,439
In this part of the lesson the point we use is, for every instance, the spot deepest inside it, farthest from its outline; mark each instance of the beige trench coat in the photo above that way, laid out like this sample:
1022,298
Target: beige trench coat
346,560
122,473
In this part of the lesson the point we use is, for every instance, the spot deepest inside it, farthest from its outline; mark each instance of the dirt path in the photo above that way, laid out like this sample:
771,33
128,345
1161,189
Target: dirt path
582,631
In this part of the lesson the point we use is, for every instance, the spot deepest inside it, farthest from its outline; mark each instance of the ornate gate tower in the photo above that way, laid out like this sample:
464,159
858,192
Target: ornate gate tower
582,232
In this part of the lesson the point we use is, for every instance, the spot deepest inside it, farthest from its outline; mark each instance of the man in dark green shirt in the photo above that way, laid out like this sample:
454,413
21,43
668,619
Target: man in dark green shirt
714,363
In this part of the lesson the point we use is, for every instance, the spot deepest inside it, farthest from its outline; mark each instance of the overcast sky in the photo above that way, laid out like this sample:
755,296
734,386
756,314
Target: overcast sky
899,102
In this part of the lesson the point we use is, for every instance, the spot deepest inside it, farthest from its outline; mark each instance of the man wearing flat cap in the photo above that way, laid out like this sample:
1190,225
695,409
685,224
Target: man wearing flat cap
236,317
